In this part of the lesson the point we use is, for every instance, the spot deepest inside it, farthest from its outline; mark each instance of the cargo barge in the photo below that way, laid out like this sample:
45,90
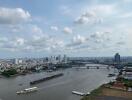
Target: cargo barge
46,78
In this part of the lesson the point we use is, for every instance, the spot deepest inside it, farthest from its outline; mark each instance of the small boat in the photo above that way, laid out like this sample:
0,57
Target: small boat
20,84
28,90
111,75
49,70
80,93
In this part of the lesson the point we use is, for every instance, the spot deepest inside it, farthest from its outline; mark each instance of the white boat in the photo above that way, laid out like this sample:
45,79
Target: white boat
28,90
80,93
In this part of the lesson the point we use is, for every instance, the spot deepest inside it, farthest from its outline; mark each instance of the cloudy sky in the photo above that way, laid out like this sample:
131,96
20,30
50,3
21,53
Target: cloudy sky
37,28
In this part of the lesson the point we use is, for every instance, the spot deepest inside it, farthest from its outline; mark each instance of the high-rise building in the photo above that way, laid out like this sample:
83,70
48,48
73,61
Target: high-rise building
17,61
117,61
65,59
59,58
117,58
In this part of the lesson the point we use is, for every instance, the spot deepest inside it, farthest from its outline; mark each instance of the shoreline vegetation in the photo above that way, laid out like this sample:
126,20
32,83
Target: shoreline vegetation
105,91
9,73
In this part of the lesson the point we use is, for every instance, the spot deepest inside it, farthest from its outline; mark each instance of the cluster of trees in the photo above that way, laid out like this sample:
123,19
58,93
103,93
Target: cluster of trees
9,72
127,83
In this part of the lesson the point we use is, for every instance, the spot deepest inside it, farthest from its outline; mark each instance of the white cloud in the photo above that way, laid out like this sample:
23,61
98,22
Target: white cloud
100,37
67,30
46,43
31,45
95,13
55,28
77,40
14,44
13,15
104,9
82,20
88,17
37,33
97,35
36,29
20,41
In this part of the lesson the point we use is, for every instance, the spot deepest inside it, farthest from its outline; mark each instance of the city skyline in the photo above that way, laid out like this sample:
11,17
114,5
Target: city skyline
30,28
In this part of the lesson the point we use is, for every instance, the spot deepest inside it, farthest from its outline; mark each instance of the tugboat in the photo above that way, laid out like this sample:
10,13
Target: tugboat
28,90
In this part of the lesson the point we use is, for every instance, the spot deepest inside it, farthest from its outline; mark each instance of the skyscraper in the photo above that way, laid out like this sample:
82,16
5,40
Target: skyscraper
117,61
117,58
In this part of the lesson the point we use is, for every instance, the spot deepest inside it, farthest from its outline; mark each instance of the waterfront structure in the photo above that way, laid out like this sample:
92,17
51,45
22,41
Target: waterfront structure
127,74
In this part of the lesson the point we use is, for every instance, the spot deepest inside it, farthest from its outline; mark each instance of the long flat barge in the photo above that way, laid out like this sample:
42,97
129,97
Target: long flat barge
46,78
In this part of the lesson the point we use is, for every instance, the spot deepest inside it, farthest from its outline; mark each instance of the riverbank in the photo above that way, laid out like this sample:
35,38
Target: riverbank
105,93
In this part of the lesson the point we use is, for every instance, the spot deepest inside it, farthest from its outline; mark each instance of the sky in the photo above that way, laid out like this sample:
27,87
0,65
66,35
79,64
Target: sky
39,28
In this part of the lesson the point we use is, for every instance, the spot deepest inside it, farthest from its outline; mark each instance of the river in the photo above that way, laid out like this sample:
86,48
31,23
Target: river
82,80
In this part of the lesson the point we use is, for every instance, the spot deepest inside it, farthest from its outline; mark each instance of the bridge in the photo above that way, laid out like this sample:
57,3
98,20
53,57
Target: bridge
94,66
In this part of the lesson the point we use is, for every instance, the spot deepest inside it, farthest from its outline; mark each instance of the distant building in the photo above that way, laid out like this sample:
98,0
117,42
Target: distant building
127,74
117,60
59,59
17,61
65,59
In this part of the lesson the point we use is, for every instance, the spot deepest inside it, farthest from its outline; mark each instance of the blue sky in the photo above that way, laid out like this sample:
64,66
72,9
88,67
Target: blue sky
37,28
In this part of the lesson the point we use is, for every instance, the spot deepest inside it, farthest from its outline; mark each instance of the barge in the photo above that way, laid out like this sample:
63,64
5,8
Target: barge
46,78
28,90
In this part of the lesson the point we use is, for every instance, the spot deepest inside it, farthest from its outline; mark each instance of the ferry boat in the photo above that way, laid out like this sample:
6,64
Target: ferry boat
28,90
